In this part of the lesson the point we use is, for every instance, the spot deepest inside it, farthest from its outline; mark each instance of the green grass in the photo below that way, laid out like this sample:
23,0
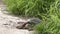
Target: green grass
50,26
31,8
50,23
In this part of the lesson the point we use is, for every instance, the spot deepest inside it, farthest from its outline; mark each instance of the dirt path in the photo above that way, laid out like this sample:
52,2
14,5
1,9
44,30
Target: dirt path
11,20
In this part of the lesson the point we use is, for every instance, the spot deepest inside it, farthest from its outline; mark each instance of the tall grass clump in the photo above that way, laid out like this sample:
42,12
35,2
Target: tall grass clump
34,8
50,23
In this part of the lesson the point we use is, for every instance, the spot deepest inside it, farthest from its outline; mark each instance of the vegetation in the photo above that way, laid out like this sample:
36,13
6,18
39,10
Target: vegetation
47,10
51,22
28,7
